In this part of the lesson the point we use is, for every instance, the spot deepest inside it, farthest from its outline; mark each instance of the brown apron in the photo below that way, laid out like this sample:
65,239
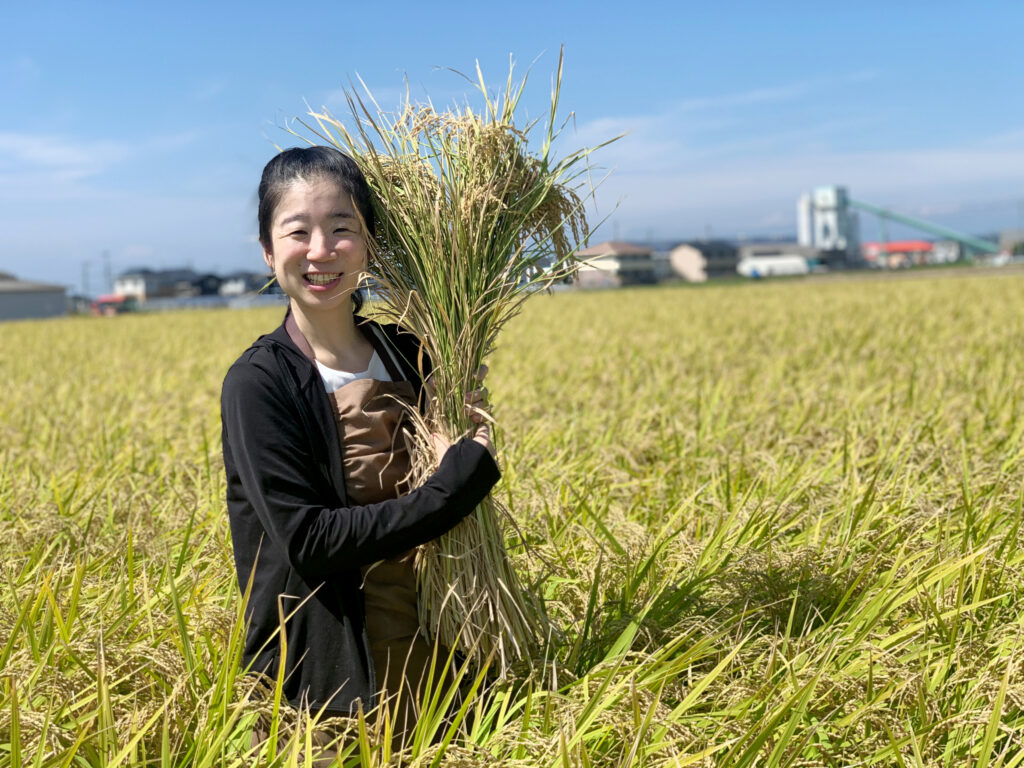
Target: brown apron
373,429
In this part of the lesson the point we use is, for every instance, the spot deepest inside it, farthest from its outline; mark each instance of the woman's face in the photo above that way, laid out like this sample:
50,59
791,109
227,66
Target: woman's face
318,250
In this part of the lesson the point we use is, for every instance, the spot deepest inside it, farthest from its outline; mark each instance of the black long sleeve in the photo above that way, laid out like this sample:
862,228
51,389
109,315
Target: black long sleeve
267,443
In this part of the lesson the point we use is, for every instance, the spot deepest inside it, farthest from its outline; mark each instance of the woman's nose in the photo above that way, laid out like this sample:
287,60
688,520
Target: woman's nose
319,247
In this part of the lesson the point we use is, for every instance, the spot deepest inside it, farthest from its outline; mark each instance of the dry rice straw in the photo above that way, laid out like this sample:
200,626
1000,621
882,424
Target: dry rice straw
470,223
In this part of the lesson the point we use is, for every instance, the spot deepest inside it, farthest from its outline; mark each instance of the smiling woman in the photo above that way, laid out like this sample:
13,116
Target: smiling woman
317,250
315,433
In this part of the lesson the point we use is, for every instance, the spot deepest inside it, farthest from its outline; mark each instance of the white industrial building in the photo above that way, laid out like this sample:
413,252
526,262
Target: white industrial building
22,300
826,220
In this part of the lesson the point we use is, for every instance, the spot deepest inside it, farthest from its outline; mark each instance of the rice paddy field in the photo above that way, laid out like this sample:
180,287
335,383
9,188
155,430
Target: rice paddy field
774,524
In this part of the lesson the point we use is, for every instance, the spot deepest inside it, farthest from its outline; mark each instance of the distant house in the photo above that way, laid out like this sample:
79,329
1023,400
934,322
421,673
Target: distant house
698,260
21,300
946,252
1009,239
206,285
614,264
241,283
139,283
145,284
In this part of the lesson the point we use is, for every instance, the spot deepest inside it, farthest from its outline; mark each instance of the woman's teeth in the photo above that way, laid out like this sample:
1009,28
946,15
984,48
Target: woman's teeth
322,278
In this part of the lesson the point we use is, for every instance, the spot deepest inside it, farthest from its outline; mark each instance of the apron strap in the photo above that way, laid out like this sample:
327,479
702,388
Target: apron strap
292,327
389,358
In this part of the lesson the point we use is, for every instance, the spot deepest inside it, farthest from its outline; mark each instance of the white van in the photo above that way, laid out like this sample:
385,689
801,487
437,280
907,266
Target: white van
783,264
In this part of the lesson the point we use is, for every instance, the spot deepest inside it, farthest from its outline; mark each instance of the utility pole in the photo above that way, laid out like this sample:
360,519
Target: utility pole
85,279
108,281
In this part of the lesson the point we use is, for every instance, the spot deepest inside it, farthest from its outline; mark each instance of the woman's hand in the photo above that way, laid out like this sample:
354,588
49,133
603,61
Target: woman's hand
483,436
476,399
440,444
476,409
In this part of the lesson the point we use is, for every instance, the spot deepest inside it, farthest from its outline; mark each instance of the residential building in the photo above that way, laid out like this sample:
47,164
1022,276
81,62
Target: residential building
20,300
698,260
239,283
1009,239
206,285
946,252
615,263
145,284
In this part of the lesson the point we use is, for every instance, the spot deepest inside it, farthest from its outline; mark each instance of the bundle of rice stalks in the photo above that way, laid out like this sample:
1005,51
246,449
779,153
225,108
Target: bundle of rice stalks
471,221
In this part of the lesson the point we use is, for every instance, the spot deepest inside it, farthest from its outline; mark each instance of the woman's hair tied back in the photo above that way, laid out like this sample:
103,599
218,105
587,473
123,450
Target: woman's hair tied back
308,164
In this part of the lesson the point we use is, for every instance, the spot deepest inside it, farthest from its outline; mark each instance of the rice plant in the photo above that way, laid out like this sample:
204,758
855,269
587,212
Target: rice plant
473,220
783,529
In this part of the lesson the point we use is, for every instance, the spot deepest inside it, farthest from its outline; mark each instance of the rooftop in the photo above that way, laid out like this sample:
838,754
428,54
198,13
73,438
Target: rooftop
10,284
899,246
615,248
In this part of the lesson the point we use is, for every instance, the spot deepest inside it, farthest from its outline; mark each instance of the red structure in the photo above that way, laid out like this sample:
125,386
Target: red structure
898,253
109,305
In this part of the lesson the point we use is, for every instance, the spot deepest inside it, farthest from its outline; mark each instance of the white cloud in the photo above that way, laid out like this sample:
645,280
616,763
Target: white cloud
775,94
169,142
55,152
770,95
210,89
863,75
26,65
23,71
45,164
57,166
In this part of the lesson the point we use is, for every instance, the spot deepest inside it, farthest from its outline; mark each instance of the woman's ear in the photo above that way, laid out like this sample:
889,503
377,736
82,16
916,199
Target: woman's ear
268,257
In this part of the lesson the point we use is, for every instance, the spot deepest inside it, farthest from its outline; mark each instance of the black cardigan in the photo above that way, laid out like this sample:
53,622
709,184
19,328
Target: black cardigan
294,534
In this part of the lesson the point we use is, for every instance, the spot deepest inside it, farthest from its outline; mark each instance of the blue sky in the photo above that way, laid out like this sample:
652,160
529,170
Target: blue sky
140,129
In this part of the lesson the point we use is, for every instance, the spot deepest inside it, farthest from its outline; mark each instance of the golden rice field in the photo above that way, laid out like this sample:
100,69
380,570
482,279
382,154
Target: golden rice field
776,524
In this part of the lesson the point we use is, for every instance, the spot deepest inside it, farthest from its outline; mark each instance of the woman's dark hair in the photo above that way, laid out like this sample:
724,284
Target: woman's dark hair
309,164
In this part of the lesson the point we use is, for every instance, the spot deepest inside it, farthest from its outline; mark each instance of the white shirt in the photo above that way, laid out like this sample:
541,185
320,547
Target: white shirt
335,379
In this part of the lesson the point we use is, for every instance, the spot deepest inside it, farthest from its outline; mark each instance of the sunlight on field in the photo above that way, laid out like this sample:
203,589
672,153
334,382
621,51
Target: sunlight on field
777,524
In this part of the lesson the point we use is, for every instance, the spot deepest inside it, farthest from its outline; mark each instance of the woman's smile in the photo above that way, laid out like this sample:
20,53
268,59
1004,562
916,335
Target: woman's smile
320,281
